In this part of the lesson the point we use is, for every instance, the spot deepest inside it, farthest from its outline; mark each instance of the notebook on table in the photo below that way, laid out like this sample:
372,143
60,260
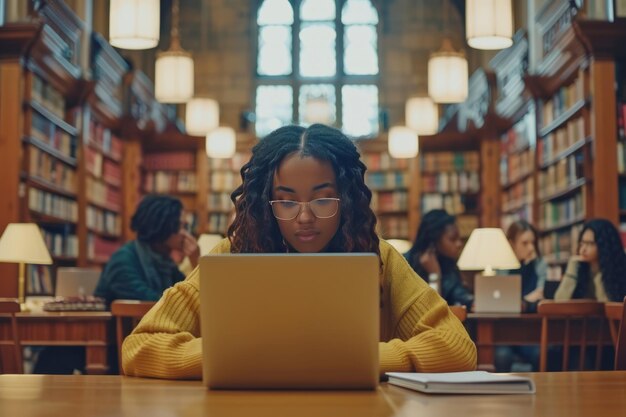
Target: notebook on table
473,382
290,321
498,294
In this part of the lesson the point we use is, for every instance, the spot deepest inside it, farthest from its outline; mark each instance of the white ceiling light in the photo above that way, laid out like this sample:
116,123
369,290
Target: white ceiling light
447,75
403,142
422,115
201,116
489,24
134,24
221,143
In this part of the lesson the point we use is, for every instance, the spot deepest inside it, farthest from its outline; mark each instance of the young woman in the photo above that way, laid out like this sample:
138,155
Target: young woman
143,268
523,239
303,190
434,253
599,270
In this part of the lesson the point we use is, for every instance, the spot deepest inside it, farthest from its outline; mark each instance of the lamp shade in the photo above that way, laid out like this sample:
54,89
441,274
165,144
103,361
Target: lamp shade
447,75
487,249
23,243
422,115
206,242
403,142
489,24
202,115
221,143
173,77
134,24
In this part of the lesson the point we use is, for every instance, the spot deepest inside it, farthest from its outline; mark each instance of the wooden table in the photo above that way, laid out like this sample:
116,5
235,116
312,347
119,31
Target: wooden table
558,394
93,330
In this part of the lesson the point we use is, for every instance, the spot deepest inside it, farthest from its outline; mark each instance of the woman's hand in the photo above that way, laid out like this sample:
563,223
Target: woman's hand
190,248
429,261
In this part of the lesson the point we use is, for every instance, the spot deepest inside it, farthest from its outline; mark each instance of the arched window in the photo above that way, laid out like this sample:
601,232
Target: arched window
317,61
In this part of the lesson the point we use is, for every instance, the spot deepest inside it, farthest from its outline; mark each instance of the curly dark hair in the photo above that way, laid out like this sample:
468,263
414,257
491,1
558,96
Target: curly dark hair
157,218
611,258
255,230
430,230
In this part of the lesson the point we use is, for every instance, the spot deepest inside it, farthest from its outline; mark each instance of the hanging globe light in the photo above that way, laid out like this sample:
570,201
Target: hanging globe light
422,115
489,24
134,24
447,75
403,142
221,143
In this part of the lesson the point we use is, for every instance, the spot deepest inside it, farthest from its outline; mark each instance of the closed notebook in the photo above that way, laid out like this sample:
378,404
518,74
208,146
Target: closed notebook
475,382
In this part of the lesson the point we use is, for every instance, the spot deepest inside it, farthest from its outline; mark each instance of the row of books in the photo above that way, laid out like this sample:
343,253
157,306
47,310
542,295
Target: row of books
45,94
45,166
52,205
450,161
390,201
39,280
393,227
387,180
524,212
466,224
97,166
104,140
517,165
452,203
170,161
451,182
557,213
99,249
101,194
229,164
621,119
47,132
380,161
103,221
224,181
560,246
170,182
521,136
218,223
621,157
520,194
622,194
561,139
60,243
562,101
219,202
561,175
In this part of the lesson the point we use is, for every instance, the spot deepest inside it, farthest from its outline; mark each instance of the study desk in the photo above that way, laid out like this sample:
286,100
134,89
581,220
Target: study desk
93,330
558,394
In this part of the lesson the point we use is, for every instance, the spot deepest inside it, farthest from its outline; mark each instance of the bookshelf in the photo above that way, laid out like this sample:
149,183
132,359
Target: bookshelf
224,177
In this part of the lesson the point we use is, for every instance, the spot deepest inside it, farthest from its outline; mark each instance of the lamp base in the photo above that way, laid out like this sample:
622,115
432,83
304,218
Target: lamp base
24,308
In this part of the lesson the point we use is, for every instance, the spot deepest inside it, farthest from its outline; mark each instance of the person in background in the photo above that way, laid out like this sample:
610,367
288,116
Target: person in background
434,254
303,191
143,268
599,270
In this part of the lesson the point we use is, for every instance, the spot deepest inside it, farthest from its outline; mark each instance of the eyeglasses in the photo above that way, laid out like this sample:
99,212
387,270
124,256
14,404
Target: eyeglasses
322,208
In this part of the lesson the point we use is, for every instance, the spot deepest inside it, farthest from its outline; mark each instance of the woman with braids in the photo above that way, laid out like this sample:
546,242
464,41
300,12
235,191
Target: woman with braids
434,253
303,190
599,270
143,268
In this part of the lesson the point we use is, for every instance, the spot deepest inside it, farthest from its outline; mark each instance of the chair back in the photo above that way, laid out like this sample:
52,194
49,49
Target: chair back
460,312
11,306
613,313
570,320
620,345
127,315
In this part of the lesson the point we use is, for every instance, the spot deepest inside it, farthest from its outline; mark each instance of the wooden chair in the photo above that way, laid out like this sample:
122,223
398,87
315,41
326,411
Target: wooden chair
11,306
613,313
460,312
127,315
574,317
620,344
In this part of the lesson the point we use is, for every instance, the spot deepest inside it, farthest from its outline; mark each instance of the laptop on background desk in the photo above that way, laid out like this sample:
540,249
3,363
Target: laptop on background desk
76,282
498,294
290,321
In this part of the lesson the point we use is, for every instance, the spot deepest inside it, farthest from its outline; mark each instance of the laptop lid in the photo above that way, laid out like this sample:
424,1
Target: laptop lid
290,321
76,282
498,294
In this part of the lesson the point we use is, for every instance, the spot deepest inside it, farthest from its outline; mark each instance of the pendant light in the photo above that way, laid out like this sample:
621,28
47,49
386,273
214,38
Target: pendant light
174,68
447,75
221,143
489,24
403,142
422,115
134,24
201,116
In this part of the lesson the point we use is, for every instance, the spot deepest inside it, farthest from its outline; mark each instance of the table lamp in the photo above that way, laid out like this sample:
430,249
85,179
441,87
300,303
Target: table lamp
206,242
487,249
23,243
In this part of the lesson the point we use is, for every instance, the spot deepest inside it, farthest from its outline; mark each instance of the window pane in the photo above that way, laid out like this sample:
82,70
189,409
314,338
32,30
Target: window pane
274,50
360,56
274,108
317,104
317,10
275,12
317,50
359,12
360,110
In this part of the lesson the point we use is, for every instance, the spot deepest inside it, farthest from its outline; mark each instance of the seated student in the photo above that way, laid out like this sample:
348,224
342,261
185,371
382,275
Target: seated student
311,169
143,268
599,270
435,251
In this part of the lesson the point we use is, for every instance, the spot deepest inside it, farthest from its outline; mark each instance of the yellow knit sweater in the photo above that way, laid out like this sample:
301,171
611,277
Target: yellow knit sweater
418,332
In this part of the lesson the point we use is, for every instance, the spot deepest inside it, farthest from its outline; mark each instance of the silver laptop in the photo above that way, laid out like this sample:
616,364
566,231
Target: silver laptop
76,282
498,294
290,321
